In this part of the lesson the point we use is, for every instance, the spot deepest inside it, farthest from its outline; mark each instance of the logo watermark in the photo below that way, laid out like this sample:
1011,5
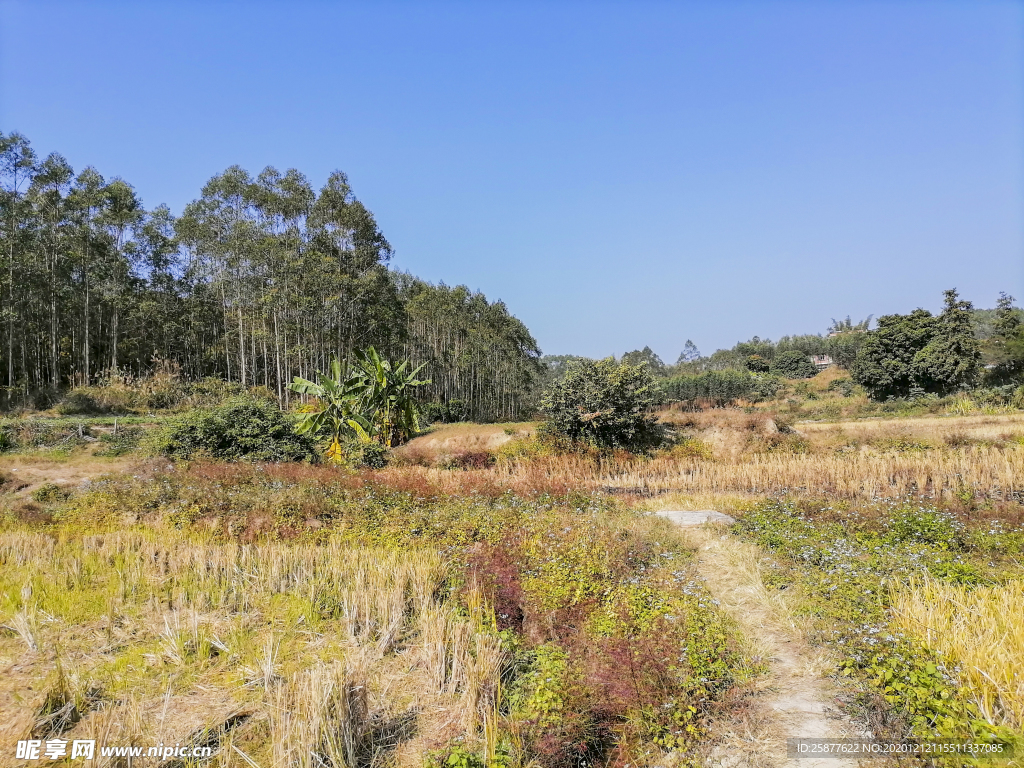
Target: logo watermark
86,749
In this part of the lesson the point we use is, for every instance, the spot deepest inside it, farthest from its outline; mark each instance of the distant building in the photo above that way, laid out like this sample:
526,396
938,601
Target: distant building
822,361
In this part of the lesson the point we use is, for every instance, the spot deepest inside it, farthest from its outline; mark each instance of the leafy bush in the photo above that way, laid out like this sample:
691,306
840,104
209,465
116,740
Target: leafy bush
123,393
758,364
242,428
125,440
30,434
362,454
842,386
926,526
793,365
80,401
450,412
50,492
604,404
920,353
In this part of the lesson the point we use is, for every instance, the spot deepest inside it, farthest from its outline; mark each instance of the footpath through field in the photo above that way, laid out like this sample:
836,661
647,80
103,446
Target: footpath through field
794,700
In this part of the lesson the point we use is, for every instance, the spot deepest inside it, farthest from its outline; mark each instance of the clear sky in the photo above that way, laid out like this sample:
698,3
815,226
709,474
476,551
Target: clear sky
619,173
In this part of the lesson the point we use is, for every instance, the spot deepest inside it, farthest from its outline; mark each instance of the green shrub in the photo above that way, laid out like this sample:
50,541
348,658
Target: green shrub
926,526
1017,400
842,386
450,412
371,455
604,404
50,492
793,365
758,364
125,440
243,428
80,401
33,434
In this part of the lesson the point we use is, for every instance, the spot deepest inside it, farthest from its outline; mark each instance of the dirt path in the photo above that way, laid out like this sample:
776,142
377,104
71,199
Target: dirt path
794,699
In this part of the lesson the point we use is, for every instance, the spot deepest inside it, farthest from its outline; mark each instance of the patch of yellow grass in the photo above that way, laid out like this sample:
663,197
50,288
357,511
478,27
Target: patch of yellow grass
982,630
981,470
453,439
936,428
297,654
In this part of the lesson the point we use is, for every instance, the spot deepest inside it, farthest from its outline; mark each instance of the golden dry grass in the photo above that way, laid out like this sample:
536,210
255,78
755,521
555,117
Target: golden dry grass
293,654
951,457
982,631
454,439
982,471
935,428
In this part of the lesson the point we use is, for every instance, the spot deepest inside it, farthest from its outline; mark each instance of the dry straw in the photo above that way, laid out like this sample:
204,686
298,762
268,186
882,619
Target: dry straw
978,629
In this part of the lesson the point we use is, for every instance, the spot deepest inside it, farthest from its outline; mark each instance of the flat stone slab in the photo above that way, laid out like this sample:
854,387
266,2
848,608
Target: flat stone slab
698,517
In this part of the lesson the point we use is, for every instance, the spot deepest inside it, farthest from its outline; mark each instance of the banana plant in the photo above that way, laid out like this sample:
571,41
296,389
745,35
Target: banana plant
390,405
371,399
340,394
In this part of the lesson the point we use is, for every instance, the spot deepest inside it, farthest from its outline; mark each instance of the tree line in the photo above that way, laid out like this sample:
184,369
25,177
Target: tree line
904,356
260,279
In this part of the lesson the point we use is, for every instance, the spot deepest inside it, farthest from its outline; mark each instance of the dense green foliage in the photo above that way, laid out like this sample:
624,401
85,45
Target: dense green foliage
1003,349
371,400
719,387
919,353
260,280
243,428
757,364
645,356
474,351
604,404
793,364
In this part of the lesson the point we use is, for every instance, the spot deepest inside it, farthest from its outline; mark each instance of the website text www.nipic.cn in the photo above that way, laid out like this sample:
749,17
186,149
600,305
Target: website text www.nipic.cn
86,749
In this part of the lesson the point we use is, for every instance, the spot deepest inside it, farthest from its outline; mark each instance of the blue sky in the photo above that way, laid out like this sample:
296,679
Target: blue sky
619,173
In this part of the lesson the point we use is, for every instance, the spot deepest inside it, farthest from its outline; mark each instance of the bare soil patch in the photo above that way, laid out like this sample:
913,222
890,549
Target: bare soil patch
28,472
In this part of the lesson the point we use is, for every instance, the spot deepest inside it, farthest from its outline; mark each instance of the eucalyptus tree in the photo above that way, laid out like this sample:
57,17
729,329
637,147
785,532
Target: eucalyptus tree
49,193
88,198
261,279
122,212
476,351
17,167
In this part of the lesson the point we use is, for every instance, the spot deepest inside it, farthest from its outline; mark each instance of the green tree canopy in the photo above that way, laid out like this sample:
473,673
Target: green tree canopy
603,403
645,356
919,352
793,364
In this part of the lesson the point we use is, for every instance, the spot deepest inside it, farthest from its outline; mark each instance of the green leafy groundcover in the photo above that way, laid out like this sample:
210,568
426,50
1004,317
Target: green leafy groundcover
616,650
845,563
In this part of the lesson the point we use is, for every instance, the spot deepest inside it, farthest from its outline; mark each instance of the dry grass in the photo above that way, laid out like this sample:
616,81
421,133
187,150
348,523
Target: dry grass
289,654
455,439
751,454
980,630
980,456
933,428
980,471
